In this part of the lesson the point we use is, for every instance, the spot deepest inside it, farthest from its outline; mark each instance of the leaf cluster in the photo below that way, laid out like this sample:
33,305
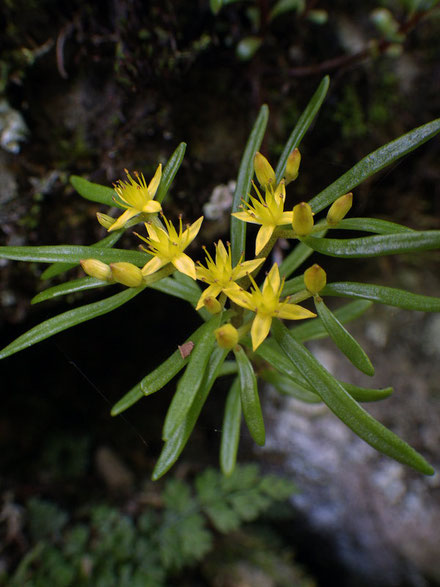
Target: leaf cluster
110,548
287,362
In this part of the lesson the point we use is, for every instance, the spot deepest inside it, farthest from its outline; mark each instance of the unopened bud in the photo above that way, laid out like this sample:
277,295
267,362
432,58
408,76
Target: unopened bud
97,269
315,279
127,274
302,219
212,305
292,166
263,170
339,209
227,336
105,220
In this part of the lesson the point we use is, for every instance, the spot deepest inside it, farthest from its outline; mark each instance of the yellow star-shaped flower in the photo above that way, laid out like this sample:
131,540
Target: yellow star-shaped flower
137,197
167,246
266,305
267,211
220,274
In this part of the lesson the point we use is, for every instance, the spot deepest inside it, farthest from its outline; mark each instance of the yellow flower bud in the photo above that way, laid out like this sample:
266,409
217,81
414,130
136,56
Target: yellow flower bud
263,170
315,279
127,274
302,219
105,220
339,209
227,336
212,305
97,269
292,166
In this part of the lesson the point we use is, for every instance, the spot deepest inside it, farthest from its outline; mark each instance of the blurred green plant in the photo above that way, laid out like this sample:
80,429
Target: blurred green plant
237,315
110,548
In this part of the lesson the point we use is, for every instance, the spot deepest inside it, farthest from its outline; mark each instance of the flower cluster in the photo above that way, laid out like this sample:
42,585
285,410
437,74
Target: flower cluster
166,247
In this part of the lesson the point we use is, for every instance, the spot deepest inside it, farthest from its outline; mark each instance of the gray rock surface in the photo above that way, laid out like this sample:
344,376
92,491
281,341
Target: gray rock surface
382,518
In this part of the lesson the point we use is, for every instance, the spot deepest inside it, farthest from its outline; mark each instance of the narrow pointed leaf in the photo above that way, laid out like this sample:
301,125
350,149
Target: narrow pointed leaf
74,286
389,296
228,368
375,246
245,173
157,379
190,382
303,124
176,443
94,191
72,253
374,162
68,319
344,406
169,172
372,225
288,386
271,352
314,329
59,268
343,339
231,429
171,286
250,402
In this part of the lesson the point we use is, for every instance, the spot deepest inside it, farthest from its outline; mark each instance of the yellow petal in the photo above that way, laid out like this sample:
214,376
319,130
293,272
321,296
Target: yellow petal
285,218
123,219
153,265
154,183
210,292
246,217
263,238
185,265
246,267
193,230
294,312
240,297
273,279
151,231
260,329
151,207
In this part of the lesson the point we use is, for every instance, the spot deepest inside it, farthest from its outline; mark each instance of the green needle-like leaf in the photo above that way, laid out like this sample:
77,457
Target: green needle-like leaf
250,402
94,191
303,124
68,319
344,406
176,443
231,429
191,380
169,172
271,352
74,286
372,225
314,329
288,386
374,162
245,173
158,378
343,339
390,296
72,253
375,246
